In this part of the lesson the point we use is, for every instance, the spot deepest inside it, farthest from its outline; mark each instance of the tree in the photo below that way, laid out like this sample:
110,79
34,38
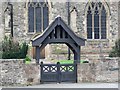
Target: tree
115,50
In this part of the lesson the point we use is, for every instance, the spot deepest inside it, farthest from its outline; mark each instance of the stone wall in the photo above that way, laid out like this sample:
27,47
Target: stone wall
86,73
106,71
15,73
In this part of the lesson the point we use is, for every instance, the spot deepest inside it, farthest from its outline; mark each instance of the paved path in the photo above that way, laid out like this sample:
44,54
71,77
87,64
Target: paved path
80,85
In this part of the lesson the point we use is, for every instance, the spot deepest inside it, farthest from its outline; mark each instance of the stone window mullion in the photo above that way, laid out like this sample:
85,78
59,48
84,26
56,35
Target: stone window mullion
100,25
93,26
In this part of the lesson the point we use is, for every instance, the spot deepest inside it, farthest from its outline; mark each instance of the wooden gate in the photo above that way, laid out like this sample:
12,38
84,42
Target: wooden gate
58,73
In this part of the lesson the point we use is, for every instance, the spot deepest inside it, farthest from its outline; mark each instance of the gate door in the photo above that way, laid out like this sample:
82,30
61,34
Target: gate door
58,73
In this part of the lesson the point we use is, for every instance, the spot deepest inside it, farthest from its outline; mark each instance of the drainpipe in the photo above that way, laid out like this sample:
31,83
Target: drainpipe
68,11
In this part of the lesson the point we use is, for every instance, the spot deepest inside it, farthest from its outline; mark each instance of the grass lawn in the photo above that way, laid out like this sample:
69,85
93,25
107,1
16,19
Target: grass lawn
68,61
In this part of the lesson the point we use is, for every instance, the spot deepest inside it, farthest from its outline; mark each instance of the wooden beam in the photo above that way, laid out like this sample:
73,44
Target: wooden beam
37,54
72,47
77,55
58,41
43,46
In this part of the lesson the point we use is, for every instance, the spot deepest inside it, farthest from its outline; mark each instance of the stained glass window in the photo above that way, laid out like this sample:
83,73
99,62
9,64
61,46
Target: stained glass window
31,18
96,21
38,19
89,24
38,16
103,23
45,17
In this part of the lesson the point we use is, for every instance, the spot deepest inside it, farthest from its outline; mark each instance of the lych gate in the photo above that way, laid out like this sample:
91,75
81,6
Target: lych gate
58,32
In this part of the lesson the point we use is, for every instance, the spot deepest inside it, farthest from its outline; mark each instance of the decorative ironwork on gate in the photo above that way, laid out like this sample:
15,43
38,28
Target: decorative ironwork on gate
58,72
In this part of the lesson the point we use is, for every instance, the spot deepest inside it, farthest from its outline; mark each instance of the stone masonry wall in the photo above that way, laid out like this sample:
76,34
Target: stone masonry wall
104,72
16,73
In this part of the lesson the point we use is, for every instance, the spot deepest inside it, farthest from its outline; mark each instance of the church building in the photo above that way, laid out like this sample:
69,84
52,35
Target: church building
94,20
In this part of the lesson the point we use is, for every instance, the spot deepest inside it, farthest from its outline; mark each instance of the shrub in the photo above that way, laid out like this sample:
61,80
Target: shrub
27,60
115,50
1,54
23,50
13,50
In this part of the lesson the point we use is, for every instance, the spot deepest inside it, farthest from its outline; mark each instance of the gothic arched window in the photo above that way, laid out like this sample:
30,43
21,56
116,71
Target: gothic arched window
96,21
31,18
8,18
73,19
103,23
38,16
89,23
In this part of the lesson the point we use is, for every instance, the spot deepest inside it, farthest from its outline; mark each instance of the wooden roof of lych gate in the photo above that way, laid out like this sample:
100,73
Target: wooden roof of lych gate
58,32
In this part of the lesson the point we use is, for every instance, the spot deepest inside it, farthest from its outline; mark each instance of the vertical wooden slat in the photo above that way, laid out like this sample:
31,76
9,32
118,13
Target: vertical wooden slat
58,72
61,33
53,34
58,32
66,35
50,36
41,72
